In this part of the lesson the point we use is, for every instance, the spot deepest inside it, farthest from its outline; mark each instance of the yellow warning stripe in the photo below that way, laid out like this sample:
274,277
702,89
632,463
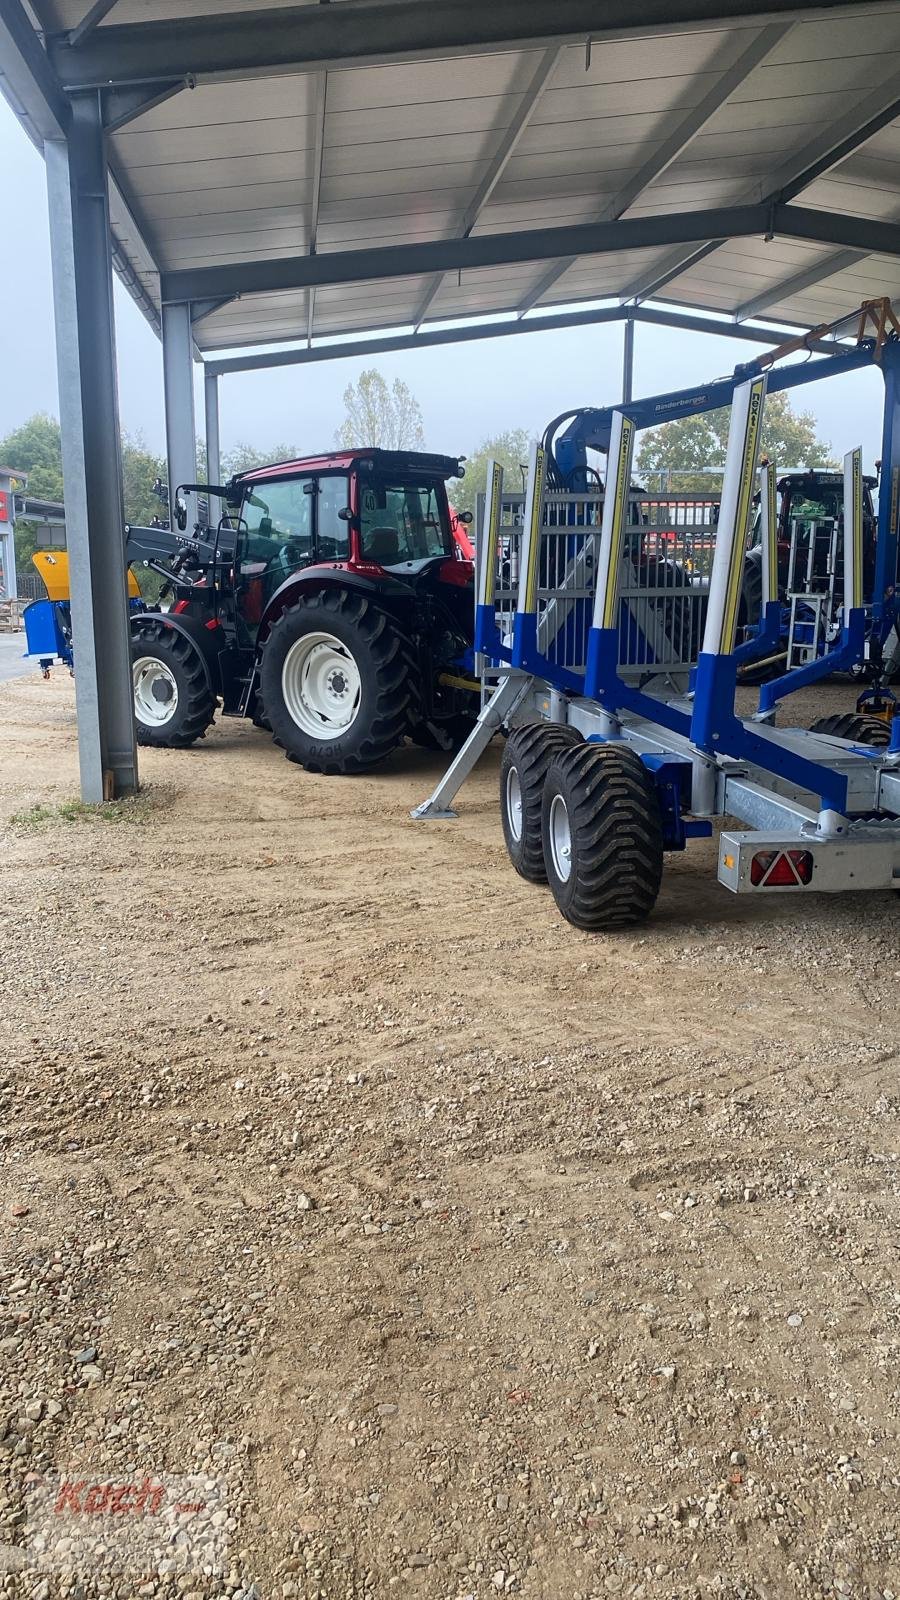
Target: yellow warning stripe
749,456
856,527
534,532
491,536
619,519
772,533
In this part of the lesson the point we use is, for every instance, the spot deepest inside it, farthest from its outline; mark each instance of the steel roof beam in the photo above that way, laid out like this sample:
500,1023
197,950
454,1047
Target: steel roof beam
674,146
316,202
841,148
822,154
798,281
91,20
502,156
27,79
314,37
541,244
337,350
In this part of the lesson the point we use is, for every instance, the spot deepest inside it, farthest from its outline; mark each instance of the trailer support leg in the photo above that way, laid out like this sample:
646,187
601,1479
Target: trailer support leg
509,691
92,467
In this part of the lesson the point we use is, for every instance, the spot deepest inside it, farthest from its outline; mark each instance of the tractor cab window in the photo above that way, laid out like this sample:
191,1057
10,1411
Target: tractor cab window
815,502
333,536
402,522
276,537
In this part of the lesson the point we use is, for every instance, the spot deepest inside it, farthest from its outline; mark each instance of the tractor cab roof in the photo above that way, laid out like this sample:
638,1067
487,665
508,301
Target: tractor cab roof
390,461
811,476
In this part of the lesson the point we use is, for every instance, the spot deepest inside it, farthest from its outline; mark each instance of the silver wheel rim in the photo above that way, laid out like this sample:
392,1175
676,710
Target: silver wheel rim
560,838
514,803
155,692
321,685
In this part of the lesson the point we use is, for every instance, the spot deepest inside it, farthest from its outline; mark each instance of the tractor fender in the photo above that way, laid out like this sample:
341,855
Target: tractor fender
312,579
205,640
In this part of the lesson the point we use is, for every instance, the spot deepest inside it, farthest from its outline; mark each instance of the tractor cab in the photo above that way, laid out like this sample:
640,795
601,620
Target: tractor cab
810,529
379,513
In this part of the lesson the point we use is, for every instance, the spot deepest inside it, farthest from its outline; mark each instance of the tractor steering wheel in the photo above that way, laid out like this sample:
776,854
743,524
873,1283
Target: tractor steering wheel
291,557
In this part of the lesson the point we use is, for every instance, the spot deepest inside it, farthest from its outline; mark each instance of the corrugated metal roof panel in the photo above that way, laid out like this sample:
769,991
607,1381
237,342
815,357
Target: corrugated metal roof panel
228,172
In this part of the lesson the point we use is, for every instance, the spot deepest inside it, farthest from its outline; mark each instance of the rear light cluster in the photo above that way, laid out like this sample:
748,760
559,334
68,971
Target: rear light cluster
781,869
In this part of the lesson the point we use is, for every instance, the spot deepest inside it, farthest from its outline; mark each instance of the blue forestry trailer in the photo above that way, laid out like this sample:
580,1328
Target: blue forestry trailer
608,626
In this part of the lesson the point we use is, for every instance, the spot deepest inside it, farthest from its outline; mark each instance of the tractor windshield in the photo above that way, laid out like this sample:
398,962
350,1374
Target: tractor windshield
402,522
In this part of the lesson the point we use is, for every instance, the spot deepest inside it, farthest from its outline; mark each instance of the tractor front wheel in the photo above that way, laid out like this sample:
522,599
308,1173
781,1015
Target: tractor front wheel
337,682
173,702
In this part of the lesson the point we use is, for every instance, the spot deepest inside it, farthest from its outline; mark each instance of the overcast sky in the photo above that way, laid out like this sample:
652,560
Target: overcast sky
466,393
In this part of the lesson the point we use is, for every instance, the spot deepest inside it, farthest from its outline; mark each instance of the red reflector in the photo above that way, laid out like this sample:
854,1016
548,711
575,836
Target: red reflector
803,864
781,869
782,875
760,865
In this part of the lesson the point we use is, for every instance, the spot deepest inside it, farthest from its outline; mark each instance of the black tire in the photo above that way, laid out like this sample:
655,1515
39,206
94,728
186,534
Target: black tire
388,696
530,751
180,682
610,805
854,726
683,610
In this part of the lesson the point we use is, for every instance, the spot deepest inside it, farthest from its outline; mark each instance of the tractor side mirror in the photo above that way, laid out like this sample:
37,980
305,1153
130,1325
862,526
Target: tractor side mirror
465,517
345,514
181,514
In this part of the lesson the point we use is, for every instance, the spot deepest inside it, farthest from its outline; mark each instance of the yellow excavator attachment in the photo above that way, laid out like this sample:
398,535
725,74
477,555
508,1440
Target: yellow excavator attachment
53,566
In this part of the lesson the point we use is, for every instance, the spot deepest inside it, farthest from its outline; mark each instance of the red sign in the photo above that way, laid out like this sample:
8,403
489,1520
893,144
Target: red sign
4,507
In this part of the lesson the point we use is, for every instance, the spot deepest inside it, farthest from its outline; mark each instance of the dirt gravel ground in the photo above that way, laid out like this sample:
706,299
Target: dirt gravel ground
474,1254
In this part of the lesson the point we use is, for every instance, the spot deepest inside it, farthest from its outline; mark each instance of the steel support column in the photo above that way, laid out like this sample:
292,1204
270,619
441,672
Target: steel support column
213,462
628,363
92,466
178,380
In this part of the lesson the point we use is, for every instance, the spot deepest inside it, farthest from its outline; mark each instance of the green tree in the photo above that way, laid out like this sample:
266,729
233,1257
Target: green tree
140,469
380,417
34,449
675,455
510,449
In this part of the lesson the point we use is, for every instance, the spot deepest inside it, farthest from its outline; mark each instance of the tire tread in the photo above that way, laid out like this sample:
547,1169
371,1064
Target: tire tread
149,637
532,748
617,836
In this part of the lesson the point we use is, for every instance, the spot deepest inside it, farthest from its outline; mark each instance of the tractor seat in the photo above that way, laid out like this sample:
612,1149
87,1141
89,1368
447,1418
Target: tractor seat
383,544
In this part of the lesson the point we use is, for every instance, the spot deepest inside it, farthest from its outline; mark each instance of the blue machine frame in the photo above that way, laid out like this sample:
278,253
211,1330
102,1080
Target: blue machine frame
591,430
710,723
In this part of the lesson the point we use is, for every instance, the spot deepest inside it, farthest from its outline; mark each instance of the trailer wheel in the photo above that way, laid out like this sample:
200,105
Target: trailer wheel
173,702
602,834
527,758
854,726
337,683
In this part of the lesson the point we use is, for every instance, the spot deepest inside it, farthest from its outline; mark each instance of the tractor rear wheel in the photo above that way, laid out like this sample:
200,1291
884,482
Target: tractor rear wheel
529,753
603,839
854,726
337,683
173,702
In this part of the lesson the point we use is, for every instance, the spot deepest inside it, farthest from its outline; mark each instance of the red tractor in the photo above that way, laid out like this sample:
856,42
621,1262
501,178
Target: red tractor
331,605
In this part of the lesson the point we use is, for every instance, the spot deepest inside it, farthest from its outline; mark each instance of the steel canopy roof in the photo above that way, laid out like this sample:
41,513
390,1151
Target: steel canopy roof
787,109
